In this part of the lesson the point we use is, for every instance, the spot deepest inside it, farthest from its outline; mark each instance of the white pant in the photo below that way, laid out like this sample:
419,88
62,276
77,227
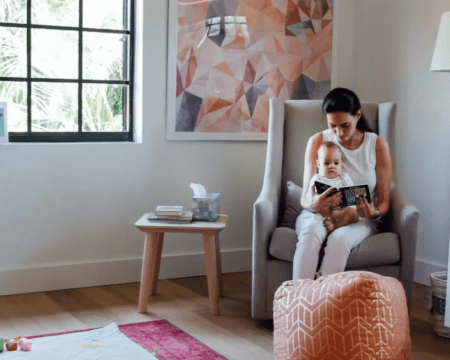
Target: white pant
311,234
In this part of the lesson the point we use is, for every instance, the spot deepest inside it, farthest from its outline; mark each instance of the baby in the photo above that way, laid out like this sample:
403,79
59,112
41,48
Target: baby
329,164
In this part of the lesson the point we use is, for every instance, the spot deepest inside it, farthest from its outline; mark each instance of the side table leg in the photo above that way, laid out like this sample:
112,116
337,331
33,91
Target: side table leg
219,265
209,243
150,268
156,263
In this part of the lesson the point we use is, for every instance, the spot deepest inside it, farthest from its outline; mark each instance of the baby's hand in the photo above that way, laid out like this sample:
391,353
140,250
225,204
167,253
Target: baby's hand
328,223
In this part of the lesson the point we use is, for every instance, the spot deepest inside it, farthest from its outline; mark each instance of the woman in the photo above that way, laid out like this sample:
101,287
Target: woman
367,161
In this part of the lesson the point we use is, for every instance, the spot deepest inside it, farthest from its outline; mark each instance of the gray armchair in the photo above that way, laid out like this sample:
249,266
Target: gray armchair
390,252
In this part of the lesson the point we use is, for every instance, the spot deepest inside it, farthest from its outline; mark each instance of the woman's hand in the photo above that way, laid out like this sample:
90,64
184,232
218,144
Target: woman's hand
366,210
323,202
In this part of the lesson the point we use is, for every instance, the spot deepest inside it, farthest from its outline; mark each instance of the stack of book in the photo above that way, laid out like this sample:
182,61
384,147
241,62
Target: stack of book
170,214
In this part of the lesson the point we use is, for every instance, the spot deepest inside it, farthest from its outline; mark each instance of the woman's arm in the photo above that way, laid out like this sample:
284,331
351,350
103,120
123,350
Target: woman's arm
383,171
317,203
310,169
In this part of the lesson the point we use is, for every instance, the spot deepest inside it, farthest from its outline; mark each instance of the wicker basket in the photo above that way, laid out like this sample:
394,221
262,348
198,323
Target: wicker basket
439,291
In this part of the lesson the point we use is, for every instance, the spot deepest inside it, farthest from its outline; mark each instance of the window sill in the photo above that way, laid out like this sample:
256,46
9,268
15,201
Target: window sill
75,143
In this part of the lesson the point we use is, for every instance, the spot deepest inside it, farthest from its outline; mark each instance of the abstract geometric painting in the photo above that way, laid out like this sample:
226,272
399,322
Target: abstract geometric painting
227,58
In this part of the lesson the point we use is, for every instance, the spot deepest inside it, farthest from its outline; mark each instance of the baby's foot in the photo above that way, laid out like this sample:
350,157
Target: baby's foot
328,223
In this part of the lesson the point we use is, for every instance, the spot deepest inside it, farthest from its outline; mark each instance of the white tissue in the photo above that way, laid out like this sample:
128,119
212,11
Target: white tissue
199,190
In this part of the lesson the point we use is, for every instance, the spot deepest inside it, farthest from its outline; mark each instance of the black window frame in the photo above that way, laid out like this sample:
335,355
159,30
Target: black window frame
129,67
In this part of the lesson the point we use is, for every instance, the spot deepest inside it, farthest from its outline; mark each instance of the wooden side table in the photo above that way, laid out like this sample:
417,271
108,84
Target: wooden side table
154,235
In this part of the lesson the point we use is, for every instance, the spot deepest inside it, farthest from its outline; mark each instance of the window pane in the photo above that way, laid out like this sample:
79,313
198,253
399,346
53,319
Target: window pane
55,12
15,94
104,14
54,54
13,11
13,52
103,56
54,107
103,107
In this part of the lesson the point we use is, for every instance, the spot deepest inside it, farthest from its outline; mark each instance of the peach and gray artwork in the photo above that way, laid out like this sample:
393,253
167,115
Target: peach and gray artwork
234,55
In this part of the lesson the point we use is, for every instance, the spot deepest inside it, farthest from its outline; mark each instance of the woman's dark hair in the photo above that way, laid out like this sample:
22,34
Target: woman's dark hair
345,100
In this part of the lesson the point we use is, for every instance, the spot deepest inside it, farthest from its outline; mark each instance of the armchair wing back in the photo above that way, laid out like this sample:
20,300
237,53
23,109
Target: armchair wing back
291,123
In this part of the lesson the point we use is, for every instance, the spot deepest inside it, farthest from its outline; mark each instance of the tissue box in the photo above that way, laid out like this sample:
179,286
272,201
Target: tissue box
206,208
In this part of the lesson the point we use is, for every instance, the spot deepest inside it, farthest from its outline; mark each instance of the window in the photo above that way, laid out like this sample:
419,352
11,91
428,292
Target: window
66,69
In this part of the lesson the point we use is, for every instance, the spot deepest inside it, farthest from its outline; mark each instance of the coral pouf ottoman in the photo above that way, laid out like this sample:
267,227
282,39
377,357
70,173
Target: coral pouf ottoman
348,315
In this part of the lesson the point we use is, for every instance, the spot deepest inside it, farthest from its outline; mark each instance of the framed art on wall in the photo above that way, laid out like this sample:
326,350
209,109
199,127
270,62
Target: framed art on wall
3,124
227,58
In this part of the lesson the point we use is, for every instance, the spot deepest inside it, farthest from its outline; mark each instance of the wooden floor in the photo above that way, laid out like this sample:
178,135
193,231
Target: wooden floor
183,302
426,344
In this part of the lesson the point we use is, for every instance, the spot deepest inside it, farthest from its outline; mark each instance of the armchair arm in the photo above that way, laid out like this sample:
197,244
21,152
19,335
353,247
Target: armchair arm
404,223
266,208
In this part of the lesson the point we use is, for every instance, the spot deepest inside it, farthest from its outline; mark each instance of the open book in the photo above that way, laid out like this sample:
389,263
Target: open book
350,194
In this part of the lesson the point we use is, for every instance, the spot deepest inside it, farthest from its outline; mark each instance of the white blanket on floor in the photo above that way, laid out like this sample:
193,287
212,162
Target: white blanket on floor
107,343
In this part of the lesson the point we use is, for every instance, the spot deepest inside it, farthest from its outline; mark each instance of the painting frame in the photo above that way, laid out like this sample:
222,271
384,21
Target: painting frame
173,135
173,103
4,138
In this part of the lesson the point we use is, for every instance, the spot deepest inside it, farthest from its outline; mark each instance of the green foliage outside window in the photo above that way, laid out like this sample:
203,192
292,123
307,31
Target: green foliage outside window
55,105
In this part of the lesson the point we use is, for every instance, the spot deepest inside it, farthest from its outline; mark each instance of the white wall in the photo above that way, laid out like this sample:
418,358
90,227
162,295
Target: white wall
393,43
67,211
424,127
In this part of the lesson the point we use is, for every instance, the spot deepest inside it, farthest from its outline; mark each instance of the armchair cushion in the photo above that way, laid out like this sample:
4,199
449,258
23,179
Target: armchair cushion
292,206
376,250
283,243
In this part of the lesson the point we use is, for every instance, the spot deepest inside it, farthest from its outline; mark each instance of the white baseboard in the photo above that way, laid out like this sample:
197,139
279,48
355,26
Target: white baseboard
70,276
423,270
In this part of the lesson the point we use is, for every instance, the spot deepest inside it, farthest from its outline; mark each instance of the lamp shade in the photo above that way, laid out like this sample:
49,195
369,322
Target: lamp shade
441,56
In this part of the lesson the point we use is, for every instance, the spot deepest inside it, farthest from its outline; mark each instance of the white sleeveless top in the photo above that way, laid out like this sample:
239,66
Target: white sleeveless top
359,163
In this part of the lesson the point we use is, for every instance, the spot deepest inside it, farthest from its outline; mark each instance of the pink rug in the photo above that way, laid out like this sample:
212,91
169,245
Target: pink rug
163,339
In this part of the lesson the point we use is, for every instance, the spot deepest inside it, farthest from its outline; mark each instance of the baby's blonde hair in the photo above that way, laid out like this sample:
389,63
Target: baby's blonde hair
330,145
